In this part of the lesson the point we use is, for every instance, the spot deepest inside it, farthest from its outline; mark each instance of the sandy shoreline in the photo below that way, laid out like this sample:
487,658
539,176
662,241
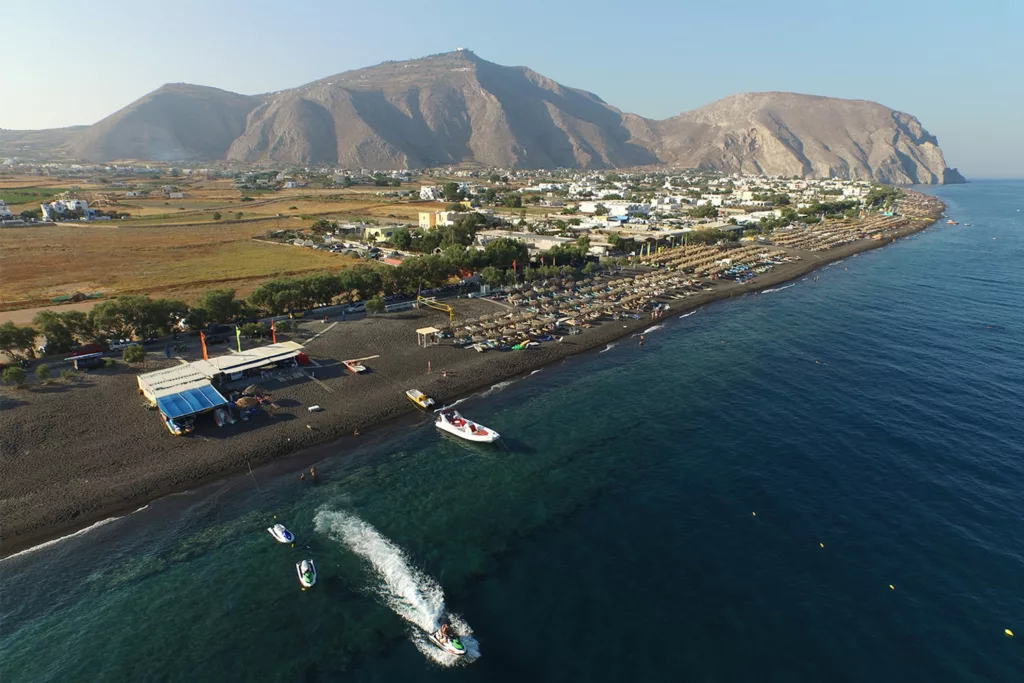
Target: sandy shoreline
74,454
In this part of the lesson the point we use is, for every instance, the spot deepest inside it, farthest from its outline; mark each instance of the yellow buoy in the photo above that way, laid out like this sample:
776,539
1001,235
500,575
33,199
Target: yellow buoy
891,587
1008,632
754,514
822,545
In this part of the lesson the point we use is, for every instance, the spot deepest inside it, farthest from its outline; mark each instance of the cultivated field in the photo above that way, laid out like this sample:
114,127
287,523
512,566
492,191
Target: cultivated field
39,263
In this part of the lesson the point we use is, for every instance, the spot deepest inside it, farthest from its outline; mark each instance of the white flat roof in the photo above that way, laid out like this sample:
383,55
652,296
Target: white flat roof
170,380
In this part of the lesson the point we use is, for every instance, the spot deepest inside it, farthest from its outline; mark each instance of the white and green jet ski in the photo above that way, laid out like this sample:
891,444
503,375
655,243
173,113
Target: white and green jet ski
452,645
307,573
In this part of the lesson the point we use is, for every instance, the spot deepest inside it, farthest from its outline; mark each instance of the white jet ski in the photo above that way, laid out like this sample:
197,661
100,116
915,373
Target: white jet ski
307,573
452,645
281,534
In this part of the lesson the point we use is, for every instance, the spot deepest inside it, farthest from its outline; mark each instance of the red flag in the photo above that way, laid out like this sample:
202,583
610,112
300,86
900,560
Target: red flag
202,340
513,265
273,330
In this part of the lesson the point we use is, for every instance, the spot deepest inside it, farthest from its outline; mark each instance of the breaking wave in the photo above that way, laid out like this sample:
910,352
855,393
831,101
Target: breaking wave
410,593
778,289
609,347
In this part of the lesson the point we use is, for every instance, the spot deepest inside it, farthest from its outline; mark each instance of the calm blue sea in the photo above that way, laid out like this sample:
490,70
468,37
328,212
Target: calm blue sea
824,482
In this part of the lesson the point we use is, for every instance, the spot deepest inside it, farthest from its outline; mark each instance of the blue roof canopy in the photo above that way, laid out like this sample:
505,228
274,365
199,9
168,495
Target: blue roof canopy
190,401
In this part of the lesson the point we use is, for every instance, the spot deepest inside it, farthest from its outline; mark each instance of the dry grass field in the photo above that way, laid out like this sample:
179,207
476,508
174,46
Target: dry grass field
39,263
172,247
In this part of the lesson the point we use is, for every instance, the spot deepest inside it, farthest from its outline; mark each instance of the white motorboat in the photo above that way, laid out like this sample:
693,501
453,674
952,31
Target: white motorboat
280,534
452,422
307,573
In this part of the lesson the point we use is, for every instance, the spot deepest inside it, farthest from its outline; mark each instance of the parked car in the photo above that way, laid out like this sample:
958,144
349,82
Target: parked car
217,334
122,344
87,349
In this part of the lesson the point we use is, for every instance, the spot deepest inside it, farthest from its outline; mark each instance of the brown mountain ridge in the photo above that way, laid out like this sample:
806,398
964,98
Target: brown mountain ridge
457,108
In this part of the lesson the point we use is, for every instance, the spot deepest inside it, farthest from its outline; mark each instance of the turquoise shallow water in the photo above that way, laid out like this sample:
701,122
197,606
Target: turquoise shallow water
877,411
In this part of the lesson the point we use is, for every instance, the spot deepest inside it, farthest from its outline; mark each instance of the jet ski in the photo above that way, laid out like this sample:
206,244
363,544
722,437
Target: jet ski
281,534
452,645
307,573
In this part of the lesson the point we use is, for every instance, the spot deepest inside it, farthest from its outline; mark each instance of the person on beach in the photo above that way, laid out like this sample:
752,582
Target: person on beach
312,472
302,476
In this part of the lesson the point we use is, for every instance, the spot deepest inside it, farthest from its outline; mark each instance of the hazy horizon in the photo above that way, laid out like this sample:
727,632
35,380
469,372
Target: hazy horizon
895,56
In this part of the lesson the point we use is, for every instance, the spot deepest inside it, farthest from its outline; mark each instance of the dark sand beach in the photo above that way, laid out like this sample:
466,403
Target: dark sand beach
74,453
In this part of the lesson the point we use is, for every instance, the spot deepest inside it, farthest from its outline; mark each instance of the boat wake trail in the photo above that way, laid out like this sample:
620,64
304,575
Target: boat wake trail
410,593
778,289
609,347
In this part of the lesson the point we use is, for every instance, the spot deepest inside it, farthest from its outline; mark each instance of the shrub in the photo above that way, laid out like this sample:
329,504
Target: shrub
69,375
134,354
375,305
216,215
14,376
253,330
238,215
246,199
109,363
293,208
283,326
43,372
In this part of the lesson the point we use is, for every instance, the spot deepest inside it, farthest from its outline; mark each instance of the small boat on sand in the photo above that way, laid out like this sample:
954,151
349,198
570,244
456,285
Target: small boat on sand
420,399
952,222
452,422
355,366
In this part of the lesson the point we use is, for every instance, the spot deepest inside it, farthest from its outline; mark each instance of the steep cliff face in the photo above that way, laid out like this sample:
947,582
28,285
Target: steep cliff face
456,108
805,135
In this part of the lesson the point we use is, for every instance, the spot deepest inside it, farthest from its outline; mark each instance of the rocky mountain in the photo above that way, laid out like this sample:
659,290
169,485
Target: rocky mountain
457,108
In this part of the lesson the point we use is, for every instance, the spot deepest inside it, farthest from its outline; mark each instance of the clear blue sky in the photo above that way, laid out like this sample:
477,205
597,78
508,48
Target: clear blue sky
957,66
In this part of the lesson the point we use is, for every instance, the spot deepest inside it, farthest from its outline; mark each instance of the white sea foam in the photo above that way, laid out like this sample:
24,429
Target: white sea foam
535,372
495,388
687,315
47,544
778,289
413,595
609,347
652,329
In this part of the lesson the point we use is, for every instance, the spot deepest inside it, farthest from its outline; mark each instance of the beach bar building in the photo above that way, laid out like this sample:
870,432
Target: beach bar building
192,388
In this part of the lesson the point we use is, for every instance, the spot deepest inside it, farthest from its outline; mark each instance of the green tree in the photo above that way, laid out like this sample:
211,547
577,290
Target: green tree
591,268
134,354
704,211
17,341
253,330
451,192
512,201
492,276
59,339
494,178
501,252
219,305
216,215
43,372
601,211
375,306
401,238
14,376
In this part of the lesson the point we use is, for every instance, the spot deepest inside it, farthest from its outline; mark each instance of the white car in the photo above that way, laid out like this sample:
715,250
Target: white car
122,344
